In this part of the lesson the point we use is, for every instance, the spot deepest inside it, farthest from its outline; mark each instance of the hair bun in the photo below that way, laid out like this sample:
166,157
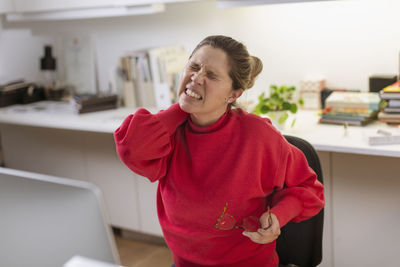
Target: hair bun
256,68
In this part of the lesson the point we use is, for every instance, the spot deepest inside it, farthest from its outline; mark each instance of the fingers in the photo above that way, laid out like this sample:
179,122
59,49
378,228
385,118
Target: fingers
266,220
270,232
263,236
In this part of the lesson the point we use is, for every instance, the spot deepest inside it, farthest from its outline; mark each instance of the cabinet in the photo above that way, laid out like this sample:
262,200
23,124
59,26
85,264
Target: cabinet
365,210
237,3
50,5
41,10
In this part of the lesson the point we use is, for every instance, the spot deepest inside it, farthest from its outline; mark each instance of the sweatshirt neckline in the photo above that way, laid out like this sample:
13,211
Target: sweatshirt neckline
212,127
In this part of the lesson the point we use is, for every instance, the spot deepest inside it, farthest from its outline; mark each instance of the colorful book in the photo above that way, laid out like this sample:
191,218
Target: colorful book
393,103
393,88
348,110
348,122
349,116
388,116
361,100
391,110
389,95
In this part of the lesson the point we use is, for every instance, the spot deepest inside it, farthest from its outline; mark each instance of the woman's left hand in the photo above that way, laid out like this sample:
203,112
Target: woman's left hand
267,233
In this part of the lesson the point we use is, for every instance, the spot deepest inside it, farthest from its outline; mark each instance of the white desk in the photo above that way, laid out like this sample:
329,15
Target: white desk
332,138
60,115
324,137
361,181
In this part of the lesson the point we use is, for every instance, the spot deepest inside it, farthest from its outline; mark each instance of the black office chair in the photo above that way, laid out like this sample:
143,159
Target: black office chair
300,244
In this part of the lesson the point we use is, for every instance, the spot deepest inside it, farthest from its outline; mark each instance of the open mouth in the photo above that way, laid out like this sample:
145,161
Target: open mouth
193,94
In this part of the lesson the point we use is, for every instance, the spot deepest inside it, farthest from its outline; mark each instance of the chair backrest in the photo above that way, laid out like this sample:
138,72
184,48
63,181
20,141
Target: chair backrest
301,243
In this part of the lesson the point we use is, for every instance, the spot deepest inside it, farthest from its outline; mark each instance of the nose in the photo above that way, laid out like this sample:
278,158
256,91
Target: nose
198,77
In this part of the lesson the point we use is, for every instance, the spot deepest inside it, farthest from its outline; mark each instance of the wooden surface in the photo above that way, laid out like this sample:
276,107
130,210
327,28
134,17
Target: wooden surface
142,254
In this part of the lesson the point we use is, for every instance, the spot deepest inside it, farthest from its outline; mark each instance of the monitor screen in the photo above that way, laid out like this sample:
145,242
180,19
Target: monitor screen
46,220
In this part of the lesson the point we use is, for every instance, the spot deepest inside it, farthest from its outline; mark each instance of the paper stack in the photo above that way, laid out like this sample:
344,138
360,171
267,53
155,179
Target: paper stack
387,136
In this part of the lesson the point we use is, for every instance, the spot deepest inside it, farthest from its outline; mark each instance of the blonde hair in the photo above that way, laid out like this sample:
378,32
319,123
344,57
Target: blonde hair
244,67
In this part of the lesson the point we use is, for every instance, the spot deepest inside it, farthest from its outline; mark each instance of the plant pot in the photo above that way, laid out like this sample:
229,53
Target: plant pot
278,119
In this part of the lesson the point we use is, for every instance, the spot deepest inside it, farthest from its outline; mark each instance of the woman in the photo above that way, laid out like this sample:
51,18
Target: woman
219,168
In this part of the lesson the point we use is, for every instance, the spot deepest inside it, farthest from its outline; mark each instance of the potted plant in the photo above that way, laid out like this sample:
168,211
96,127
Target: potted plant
278,105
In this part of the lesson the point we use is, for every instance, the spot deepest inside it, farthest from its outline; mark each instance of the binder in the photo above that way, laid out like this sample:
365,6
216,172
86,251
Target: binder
166,64
128,94
143,81
162,91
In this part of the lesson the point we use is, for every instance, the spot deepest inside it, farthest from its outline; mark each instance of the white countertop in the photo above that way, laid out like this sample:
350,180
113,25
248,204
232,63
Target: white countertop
323,137
60,115
334,138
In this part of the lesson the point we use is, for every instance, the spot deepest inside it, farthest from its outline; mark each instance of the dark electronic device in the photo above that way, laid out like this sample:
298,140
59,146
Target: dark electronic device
378,82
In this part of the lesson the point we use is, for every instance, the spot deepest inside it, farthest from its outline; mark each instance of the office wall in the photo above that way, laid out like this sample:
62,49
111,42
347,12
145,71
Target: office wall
344,41
20,53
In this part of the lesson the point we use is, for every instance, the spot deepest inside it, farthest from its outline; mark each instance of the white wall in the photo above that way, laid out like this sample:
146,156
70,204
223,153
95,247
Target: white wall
20,54
344,41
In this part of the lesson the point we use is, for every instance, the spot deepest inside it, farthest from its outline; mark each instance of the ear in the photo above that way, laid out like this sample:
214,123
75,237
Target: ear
236,93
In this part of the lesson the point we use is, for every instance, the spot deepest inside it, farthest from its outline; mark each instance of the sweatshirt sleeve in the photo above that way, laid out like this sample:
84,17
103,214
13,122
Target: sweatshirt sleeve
144,141
300,195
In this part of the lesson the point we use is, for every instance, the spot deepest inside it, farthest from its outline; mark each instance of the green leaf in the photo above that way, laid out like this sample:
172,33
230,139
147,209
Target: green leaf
274,95
293,108
301,102
264,109
280,99
283,118
383,104
286,105
293,122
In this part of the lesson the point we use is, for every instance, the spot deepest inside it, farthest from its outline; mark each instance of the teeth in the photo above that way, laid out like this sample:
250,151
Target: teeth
192,94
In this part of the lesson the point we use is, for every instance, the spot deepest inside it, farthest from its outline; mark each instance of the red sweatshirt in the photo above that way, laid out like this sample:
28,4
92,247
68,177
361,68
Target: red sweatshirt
240,160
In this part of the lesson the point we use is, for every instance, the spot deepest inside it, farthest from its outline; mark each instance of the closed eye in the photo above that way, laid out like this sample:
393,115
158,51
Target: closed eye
212,75
194,67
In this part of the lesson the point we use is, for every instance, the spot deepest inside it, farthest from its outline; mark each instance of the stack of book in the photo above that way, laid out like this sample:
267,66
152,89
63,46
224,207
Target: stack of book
90,102
351,108
391,112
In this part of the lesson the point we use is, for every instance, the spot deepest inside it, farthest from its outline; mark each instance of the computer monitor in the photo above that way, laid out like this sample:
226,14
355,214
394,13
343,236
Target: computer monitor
46,220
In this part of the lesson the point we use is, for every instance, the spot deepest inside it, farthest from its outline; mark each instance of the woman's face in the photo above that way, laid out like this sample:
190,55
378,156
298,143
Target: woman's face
206,85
